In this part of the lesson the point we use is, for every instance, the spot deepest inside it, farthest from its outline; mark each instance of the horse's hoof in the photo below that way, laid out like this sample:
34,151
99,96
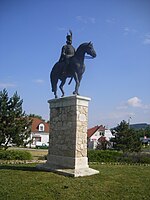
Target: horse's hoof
62,95
74,93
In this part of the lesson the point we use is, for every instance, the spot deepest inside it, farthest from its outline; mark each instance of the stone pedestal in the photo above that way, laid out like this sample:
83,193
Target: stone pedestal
68,137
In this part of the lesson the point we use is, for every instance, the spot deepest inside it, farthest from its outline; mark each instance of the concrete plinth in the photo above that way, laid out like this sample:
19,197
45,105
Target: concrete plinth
67,152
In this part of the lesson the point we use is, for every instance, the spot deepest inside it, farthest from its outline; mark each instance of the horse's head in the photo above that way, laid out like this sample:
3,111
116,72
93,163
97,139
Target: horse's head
90,50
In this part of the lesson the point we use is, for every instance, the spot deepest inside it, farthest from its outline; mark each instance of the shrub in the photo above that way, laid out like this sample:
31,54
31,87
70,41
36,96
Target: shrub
145,158
136,158
15,155
118,156
104,155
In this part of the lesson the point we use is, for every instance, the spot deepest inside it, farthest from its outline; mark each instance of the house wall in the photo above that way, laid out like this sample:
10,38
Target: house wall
44,138
92,144
108,135
93,140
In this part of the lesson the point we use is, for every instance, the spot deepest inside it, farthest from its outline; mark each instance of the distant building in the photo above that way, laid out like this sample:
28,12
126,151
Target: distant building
39,132
140,126
97,134
145,141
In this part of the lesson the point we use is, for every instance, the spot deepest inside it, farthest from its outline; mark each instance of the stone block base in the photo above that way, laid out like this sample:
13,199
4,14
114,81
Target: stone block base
68,172
67,162
67,152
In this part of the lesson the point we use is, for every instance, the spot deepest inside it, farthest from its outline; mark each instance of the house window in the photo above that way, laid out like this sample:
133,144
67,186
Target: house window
41,127
36,139
101,133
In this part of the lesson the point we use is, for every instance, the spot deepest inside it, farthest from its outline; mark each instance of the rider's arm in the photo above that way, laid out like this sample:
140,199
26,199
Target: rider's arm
63,52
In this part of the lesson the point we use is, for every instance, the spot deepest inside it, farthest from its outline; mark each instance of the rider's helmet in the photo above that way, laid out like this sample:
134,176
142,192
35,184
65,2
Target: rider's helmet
69,37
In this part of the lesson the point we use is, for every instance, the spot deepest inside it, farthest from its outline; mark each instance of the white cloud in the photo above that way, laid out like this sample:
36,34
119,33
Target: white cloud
111,21
40,81
132,109
81,19
134,102
147,39
92,20
86,20
7,85
128,30
115,117
120,115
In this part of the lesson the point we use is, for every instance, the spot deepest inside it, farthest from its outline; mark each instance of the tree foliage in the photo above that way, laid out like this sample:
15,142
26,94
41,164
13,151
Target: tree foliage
126,139
14,123
36,116
144,132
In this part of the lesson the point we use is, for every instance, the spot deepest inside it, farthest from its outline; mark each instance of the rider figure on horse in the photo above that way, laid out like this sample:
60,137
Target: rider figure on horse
67,51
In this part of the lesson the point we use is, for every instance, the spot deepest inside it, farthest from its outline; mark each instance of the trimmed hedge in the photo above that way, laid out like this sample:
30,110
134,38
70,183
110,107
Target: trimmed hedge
15,155
143,158
118,156
104,155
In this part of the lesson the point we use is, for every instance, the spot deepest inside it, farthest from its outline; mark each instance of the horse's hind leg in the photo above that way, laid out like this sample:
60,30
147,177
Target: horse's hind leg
55,93
77,84
63,81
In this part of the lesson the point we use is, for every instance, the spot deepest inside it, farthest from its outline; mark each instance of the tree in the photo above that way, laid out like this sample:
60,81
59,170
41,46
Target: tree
126,139
15,125
147,132
144,132
36,116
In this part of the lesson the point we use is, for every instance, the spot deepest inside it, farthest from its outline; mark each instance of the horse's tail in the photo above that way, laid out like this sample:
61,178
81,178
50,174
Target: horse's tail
54,80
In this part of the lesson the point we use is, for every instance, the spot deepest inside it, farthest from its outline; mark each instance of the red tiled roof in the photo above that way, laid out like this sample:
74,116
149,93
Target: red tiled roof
91,131
35,125
102,139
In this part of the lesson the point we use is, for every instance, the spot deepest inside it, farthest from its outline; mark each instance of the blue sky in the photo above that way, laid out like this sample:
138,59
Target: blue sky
32,33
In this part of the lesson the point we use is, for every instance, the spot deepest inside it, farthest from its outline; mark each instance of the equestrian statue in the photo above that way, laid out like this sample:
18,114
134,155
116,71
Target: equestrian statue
70,65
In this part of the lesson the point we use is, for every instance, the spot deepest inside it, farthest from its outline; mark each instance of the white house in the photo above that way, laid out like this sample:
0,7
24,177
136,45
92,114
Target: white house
39,132
95,133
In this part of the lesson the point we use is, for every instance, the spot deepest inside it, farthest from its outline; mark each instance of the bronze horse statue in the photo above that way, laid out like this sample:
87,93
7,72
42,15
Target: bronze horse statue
75,69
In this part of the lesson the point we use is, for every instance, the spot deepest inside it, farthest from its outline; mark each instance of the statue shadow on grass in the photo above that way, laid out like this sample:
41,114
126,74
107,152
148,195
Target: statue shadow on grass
22,168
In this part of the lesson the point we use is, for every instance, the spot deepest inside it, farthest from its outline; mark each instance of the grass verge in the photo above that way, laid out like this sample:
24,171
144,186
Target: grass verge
37,154
114,182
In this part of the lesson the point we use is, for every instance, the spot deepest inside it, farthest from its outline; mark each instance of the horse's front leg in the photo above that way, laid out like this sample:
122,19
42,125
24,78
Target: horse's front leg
63,81
77,83
55,94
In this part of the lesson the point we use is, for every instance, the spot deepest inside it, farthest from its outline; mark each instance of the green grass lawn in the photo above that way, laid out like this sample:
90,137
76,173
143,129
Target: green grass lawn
114,182
38,154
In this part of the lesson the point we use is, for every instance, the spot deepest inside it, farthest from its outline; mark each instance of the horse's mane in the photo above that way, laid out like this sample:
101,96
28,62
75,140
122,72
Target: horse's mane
81,46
